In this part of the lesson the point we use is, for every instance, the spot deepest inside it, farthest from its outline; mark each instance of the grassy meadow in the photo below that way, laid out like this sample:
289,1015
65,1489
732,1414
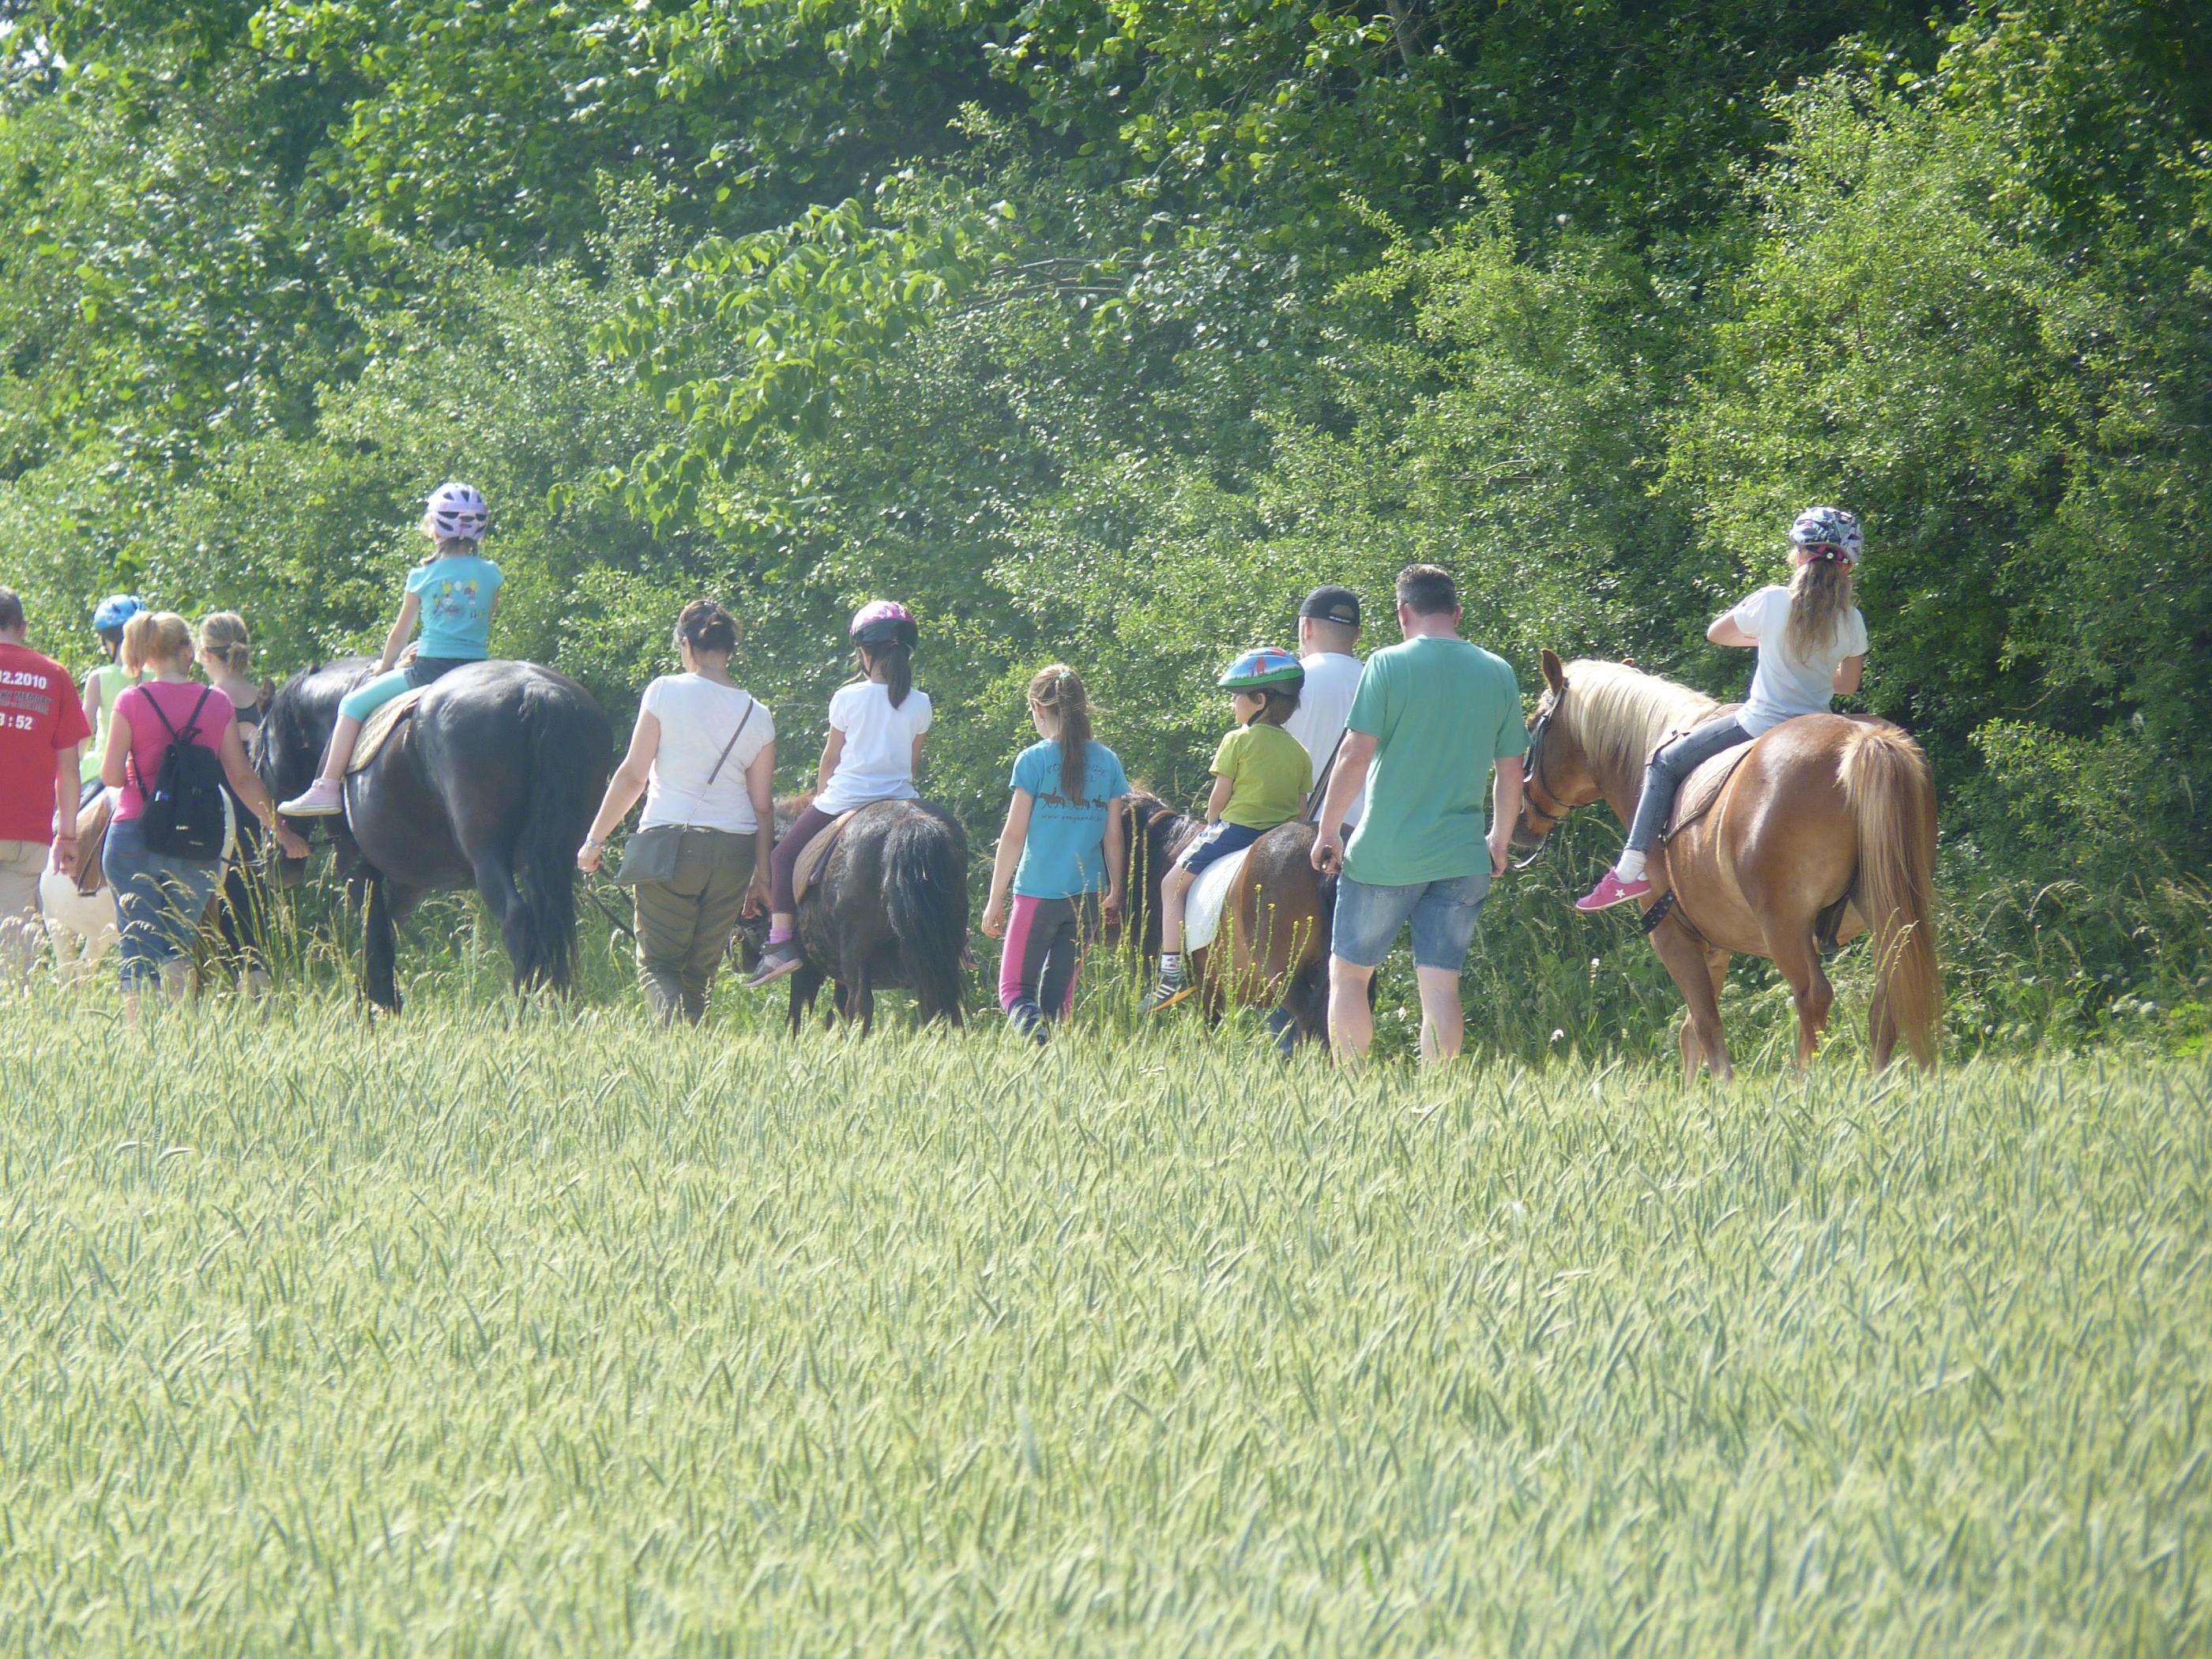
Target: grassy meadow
510,1329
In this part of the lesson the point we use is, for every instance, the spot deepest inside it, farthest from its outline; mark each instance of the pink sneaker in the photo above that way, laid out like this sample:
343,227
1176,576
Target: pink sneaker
324,799
1611,890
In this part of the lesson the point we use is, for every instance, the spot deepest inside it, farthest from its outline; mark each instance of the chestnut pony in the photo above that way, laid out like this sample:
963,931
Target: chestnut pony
1825,829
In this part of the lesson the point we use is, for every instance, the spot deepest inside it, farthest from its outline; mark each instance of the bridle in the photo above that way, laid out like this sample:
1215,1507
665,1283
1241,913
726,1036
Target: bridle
1532,778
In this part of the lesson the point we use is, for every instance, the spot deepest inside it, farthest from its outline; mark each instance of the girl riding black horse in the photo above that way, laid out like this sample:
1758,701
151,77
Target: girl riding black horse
489,783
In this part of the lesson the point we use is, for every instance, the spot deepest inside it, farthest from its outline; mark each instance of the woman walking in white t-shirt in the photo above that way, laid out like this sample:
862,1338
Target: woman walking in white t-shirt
1812,643
874,750
703,755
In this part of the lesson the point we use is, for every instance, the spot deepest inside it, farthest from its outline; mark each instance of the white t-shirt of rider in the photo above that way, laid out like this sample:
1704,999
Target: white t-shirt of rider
877,763
1783,686
697,717
1324,704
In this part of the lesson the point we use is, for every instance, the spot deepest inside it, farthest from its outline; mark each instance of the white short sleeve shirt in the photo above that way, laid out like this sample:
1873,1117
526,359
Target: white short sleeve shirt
1324,704
697,717
1784,686
877,763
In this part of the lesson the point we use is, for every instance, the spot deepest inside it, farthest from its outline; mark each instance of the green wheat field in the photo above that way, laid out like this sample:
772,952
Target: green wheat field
512,1330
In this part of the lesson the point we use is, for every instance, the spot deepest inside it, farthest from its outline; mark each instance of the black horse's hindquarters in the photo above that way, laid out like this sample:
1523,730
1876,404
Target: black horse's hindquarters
489,783
888,911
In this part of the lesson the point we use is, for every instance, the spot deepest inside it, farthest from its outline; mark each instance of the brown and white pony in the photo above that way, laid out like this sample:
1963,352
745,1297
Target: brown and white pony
1825,829
1276,917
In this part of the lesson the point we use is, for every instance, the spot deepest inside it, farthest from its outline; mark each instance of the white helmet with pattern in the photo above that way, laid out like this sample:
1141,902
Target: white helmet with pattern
1828,527
456,510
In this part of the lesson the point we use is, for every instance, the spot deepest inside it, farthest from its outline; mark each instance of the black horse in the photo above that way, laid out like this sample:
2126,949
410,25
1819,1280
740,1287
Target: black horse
888,911
490,783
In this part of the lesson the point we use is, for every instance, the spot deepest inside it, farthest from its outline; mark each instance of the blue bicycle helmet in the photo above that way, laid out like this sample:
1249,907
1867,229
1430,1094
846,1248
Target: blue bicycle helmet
116,609
1255,671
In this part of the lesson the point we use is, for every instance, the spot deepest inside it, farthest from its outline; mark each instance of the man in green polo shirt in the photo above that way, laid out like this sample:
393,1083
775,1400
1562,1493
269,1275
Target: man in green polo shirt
1432,717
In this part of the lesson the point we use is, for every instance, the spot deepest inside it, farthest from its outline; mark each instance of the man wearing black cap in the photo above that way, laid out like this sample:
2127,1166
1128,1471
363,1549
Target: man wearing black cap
1328,627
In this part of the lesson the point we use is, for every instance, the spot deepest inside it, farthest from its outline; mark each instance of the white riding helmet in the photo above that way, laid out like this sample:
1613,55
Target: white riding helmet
1828,526
458,510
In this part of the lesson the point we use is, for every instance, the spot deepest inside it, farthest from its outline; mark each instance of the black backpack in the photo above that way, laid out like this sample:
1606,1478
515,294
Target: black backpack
184,816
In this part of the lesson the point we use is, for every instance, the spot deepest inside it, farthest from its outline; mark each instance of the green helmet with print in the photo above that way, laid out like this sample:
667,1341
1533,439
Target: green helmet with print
1256,671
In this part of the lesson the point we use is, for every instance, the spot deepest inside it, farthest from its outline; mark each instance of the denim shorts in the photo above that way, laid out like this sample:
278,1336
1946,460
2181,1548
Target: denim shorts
1217,843
159,900
1368,918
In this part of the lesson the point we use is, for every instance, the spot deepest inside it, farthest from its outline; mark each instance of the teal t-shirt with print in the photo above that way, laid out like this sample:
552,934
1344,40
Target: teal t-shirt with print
1441,712
456,595
1065,854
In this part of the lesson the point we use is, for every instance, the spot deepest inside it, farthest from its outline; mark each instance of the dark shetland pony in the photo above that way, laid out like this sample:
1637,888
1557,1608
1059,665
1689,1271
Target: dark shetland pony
887,911
1278,915
489,783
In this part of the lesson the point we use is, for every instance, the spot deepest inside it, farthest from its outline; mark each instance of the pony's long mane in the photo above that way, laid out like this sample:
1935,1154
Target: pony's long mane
1620,713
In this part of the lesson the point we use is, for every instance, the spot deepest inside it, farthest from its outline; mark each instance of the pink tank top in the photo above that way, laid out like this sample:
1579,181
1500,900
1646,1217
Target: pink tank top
149,738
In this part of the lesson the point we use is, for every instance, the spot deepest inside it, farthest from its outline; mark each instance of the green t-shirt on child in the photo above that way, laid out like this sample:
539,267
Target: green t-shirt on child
1267,768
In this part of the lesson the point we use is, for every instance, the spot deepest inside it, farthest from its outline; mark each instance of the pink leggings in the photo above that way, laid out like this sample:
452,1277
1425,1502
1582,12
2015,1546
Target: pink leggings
784,859
1043,956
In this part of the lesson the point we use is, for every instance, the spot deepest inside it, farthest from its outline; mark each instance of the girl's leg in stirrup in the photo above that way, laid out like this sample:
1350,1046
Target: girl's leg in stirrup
1663,780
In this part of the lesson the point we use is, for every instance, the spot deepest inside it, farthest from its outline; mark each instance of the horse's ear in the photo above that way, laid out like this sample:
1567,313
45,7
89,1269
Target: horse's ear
1555,671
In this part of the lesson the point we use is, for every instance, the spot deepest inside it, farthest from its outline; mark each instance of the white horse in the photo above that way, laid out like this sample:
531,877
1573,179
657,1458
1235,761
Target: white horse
83,927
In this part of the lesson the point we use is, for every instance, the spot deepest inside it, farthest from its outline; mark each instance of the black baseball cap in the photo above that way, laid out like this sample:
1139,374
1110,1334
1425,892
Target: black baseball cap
1332,604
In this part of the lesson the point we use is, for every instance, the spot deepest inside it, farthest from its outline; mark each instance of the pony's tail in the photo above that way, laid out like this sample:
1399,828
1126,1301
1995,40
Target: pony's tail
926,896
1892,794
567,773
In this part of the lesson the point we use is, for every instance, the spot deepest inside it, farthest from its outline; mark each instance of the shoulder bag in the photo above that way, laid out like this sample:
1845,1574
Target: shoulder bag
650,855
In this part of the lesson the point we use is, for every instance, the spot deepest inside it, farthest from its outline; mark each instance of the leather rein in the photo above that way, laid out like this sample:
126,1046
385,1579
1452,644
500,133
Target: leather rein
1533,788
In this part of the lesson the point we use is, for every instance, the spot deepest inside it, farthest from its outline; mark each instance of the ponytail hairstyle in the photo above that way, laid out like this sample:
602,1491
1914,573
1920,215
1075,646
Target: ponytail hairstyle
896,657
155,639
705,626
1820,594
223,637
1059,693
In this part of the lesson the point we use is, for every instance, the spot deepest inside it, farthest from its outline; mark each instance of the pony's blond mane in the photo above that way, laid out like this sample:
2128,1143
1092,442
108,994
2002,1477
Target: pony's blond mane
1620,713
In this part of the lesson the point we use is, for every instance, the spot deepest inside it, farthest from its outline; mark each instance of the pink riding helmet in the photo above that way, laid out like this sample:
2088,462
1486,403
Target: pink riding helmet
881,622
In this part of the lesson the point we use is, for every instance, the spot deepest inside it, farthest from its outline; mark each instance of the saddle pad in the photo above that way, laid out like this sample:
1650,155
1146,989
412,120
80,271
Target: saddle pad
1703,787
817,855
1208,896
379,725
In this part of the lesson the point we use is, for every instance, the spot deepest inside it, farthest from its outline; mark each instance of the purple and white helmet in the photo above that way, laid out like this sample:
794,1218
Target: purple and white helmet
1828,527
456,510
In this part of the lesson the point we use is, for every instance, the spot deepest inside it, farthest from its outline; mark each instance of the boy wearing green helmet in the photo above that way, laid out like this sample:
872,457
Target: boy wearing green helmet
1259,776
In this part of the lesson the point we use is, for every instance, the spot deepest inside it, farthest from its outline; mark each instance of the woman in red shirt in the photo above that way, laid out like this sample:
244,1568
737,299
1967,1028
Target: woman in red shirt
160,899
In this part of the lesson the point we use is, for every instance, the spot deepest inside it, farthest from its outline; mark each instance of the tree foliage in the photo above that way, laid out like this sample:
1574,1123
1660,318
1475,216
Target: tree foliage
1100,331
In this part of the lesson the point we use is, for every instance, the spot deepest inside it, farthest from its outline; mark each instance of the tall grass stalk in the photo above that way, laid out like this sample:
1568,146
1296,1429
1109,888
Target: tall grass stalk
513,1327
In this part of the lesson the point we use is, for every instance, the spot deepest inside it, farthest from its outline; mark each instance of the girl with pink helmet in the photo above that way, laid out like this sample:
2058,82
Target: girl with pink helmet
874,748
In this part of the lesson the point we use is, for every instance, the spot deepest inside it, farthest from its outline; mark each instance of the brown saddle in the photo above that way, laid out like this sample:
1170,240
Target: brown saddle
805,874
379,725
92,842
1702,788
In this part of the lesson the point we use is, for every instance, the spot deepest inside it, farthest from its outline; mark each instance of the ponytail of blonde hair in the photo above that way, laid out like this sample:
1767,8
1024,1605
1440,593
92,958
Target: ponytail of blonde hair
223,637
1058,690
155,639
1820,594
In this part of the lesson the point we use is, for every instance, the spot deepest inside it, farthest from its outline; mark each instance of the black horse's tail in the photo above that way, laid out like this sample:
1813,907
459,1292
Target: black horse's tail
568,755
925,895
